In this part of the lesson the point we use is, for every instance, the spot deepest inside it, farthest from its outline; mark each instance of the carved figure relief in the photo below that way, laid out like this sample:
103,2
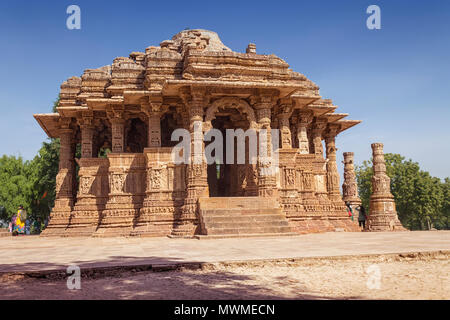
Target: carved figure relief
85,185
290,177
117,183
155,178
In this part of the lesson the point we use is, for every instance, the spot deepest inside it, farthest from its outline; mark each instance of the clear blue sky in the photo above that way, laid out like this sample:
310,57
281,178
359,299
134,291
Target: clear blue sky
395,79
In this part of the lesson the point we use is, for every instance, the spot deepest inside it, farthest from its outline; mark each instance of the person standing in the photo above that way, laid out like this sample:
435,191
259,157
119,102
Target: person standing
37,226
13,225
350,210
19,227
362,217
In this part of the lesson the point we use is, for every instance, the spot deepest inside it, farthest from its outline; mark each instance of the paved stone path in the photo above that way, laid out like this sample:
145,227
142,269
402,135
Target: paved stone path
41,254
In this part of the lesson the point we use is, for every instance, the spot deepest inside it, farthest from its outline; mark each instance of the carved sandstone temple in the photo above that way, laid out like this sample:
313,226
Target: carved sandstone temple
132,107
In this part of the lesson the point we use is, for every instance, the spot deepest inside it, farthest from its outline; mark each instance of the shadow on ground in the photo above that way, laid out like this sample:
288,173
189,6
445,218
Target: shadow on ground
138,283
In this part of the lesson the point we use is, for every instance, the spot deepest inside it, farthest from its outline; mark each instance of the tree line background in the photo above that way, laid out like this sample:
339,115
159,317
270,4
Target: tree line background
422,201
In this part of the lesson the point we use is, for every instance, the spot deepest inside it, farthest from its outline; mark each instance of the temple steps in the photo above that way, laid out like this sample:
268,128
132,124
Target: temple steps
241,216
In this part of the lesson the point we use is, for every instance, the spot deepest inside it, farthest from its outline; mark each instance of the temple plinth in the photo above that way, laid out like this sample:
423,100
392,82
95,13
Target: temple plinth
383,215
128,119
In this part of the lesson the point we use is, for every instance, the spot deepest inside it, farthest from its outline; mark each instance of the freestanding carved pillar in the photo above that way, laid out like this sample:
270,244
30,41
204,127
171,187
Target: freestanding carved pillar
267,186
349,187
60,216
383,216
332,172
302,131
197,174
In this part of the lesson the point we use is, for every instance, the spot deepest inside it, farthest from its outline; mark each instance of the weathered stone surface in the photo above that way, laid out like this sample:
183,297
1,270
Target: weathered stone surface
382,216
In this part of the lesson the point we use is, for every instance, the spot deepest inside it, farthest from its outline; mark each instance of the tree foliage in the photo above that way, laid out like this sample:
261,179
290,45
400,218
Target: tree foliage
422,201
30,183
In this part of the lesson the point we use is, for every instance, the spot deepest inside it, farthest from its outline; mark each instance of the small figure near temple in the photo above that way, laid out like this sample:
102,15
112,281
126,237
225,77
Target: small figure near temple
349,209
362,217
19,221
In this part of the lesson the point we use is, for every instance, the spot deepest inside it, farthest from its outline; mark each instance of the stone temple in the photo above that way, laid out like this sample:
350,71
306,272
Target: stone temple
117,176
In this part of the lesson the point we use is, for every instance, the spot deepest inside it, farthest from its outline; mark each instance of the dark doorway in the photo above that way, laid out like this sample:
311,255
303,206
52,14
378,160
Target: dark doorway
230,179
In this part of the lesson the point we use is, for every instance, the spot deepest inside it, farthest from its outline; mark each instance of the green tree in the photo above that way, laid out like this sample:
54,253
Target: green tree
43,178
15,186
420,198
30,183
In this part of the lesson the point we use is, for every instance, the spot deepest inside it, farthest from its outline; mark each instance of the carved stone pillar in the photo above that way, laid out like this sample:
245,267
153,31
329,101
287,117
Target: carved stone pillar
154,130
87,136
197,175
286,138
267,186
251,176
302,134
118,134
60,215
332,172
349,187
383,215
317,129
154,111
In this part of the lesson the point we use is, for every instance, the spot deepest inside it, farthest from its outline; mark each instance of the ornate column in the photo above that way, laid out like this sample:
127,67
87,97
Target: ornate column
154,111
383,215
349,187
197,175
87,136
305,118
284,127
332,172
60,215
267,186
317,129
117,119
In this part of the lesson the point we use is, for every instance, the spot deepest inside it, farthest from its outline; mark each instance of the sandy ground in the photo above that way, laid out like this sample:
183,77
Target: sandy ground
349,278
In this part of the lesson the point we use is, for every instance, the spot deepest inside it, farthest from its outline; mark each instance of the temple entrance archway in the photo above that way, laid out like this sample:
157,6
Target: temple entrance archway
230,177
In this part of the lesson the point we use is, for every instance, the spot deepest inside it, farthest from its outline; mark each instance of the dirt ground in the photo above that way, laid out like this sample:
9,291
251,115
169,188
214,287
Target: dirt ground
349,278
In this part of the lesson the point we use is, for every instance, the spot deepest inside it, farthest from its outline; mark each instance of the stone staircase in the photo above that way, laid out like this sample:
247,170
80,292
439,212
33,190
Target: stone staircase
228,217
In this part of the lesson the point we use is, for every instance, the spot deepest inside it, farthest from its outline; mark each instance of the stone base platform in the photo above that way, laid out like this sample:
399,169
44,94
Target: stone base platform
47,255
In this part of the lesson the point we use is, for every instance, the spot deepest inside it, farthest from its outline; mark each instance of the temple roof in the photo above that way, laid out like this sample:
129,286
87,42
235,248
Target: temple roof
192,60
49,122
